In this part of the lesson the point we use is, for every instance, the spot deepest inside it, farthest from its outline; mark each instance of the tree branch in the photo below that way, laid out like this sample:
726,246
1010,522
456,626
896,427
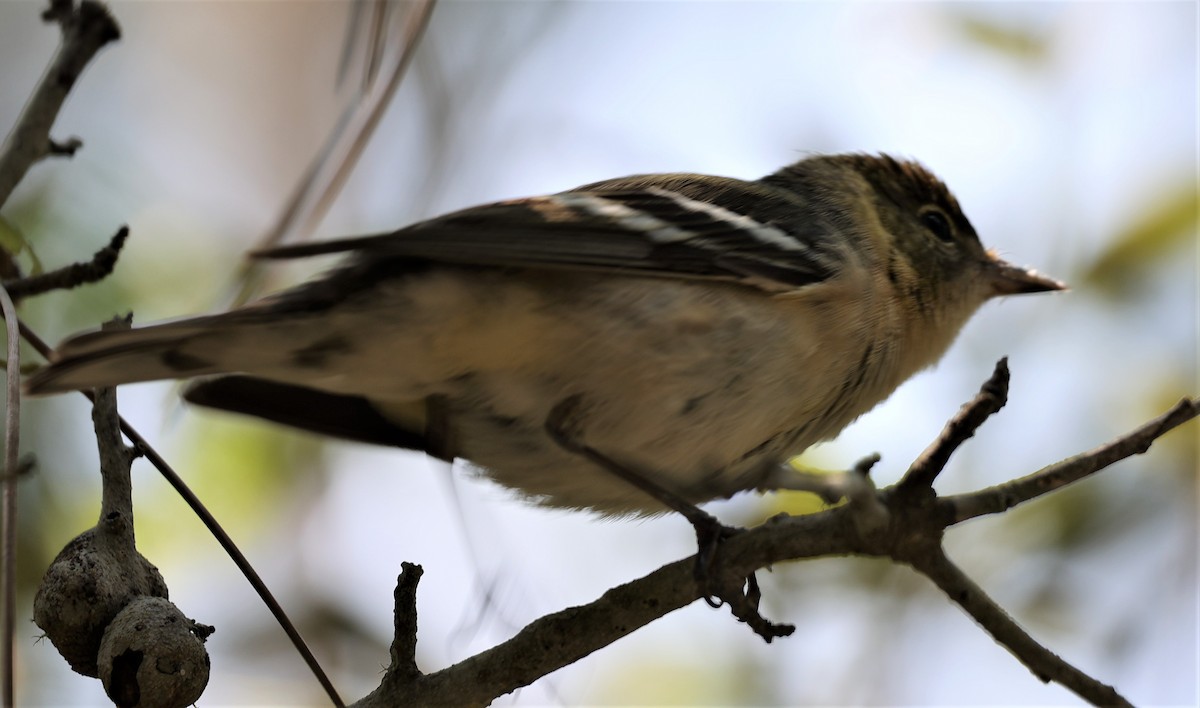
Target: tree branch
1045,664
8,498
116,458
1003,497
562,638
991,398
891,523
404,642
71,276
214,527
84,31
332,165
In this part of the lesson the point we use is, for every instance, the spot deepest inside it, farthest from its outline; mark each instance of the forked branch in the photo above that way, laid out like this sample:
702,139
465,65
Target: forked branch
893,523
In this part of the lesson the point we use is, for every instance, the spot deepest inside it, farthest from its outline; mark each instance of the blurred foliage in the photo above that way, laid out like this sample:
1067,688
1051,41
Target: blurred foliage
661,679
245,463
35,212
1022,43
1078,515
1162,230
14,244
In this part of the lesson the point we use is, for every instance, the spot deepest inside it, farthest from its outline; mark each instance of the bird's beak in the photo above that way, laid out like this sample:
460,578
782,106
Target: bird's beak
1008,279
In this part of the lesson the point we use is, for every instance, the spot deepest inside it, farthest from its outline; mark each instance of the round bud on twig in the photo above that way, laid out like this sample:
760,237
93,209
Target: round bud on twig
93,578
152,655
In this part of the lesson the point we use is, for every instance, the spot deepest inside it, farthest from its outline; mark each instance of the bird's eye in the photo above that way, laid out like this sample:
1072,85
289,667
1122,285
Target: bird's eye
938,224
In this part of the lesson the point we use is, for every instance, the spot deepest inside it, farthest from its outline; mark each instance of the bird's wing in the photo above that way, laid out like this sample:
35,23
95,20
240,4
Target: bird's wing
659,225
337,415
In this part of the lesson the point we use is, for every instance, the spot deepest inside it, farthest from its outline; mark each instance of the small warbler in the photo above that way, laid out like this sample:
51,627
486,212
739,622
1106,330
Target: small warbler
707,329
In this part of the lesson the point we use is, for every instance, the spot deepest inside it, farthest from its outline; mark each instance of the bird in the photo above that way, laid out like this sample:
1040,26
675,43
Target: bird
698,331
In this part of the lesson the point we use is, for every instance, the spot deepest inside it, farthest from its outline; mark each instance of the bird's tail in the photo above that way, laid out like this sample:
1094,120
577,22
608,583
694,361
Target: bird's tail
175,350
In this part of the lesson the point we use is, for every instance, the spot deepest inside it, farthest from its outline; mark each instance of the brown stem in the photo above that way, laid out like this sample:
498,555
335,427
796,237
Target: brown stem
991,397
214,527
1002,497
84,31
1044,664
8,498
71,276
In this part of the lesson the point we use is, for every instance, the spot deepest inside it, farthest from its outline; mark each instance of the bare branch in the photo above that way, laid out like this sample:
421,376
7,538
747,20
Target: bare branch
991,397
66,148
59,11
332,165
871,516
84,31
1003,497
404,641
116,457
562,638
8,492
214,527
74,275
905,527
1044,664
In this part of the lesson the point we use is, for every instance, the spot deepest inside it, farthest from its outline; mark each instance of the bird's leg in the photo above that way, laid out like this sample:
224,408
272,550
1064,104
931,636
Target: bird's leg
561,426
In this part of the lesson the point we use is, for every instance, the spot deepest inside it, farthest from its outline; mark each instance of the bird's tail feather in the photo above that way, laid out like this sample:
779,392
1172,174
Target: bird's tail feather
176,350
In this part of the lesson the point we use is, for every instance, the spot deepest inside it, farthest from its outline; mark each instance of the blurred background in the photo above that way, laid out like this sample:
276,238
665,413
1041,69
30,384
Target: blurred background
1067,130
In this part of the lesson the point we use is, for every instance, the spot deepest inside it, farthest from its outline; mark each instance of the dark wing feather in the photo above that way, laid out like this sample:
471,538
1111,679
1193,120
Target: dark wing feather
677,226
340,416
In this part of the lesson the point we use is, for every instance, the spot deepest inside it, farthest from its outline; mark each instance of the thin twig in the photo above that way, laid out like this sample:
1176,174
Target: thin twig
991,397
74,275
1044,664
8,505
239,559
353,29
84,31
913,536
332,165
871,516
218,532
376,46
66,148
1002,497
404,637
116,458
562,638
